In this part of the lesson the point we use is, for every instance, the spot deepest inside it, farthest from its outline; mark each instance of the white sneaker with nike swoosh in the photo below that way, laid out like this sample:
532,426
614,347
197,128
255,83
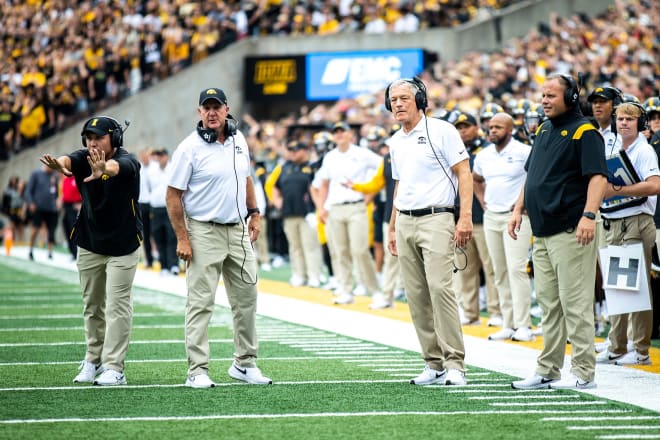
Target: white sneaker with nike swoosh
534,382
607,357
250,375
572,382
200,381
429,376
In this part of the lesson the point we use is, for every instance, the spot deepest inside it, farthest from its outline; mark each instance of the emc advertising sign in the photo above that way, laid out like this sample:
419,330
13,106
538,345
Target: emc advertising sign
335,75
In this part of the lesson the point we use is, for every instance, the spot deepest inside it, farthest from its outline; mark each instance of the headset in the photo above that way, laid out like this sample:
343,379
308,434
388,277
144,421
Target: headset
572,92
116,136
643,116
421,100
210,135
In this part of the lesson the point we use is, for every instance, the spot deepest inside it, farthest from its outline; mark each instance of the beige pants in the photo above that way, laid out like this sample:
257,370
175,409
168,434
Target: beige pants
564,273
391,272
304,248
219,250
106,284
426,252
510,258
467,281
638,228
348,237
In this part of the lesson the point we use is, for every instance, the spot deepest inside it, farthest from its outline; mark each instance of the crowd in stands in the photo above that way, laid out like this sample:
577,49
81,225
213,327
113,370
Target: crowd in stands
63,60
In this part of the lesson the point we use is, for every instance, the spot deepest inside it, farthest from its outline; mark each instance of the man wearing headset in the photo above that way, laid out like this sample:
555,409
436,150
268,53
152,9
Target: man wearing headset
566,179
108,232
213,209
633,224
430,166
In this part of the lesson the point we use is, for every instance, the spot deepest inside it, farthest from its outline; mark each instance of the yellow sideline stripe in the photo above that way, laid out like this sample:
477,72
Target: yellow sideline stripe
400,312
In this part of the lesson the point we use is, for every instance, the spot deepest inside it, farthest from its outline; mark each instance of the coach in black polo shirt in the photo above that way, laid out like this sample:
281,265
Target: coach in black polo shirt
566,180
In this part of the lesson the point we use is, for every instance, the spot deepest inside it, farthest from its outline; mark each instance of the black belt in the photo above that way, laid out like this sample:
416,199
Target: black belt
426,211
223,224
351,202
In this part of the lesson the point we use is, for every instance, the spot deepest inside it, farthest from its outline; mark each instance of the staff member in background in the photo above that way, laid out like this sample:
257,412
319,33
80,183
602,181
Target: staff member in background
43,201
431,168
71,202
566,179
633,224
145,208
213,209
108,233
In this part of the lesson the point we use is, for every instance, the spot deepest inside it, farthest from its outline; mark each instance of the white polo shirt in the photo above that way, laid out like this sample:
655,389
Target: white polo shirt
355,164
612,140
213,177
645,162
504,173
418,163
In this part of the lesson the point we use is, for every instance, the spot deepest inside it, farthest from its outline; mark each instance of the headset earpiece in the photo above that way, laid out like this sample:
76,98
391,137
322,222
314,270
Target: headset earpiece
572,92
421,100
231,126
209,135
643,117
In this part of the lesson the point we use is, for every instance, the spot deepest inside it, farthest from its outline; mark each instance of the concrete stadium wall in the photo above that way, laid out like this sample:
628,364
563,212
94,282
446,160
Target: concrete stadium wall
162,115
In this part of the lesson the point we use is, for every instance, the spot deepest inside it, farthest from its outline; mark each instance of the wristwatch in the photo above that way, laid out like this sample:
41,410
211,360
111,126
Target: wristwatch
589,215
251,211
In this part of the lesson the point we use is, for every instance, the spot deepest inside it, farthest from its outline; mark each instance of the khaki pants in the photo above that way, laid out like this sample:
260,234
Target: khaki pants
564,273
261,245
225,250
634,229
391,271
467,281
348,238
107,306
304,248
510,258
426,252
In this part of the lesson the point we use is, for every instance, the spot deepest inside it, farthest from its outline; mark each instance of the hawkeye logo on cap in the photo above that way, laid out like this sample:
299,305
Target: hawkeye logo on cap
93,124
598,89
211,92
462,118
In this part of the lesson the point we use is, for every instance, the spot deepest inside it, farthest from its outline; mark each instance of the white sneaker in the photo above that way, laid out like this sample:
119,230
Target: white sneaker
296,281
534,382
313,282
266,267
455,377
331,284
572,382
344,298
378,301
607,357
633,358
199,381
399,293
87,372
278,261
502,335
523,334
536,312
360,290
495,321
110,377
602,346
467,321
429,376
175,270
250,375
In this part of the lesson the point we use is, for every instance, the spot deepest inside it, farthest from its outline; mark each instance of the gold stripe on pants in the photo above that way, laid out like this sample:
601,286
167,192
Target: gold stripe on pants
225,250
426,252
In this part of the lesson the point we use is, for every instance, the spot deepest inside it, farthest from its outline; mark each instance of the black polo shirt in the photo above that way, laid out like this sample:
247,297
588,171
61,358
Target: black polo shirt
109,222
293,183
568,150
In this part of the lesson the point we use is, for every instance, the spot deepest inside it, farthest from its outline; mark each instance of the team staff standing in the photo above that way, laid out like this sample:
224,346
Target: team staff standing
566,179
108,233
431,168
499,174
633,224
212,206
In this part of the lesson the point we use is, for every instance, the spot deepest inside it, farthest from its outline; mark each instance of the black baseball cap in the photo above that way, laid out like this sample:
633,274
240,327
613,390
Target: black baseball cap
607,93
100,125
296,146
465,118
341,125
212,93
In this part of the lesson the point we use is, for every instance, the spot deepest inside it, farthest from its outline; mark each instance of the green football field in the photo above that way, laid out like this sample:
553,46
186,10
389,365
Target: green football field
326,385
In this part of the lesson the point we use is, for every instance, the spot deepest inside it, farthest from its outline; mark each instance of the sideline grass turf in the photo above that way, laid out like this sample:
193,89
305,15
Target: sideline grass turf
354,390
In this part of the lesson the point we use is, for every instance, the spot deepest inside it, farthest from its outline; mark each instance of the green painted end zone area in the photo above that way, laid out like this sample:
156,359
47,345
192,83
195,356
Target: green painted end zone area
327,386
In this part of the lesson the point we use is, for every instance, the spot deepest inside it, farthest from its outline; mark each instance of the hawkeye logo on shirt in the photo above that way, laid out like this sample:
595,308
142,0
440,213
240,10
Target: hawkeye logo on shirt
239,150
421,140
564,133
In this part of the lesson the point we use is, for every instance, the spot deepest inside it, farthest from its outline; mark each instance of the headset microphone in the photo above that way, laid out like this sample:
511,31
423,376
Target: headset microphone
127,123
